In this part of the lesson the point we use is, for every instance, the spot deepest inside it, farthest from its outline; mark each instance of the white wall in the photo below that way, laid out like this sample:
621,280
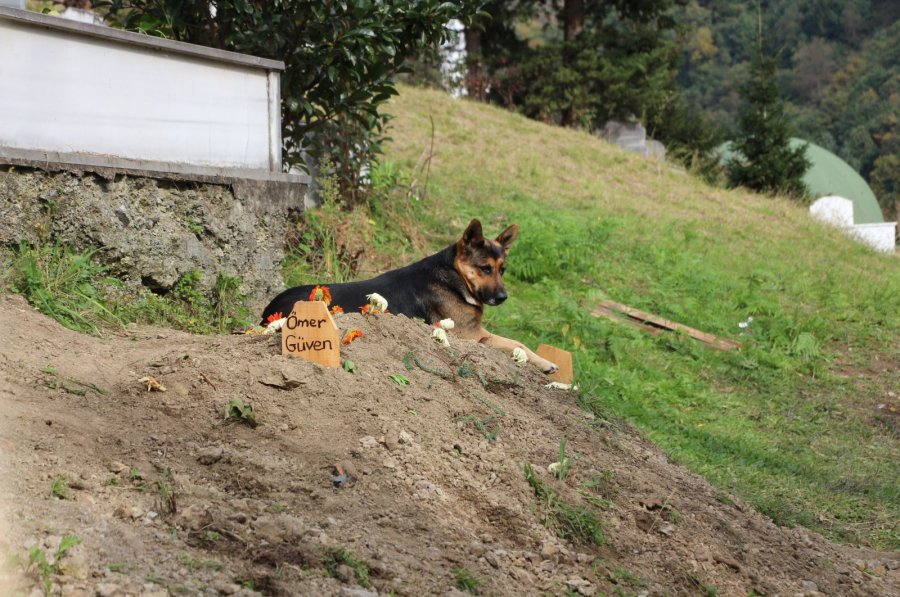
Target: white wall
838,211
881,236
834,210
67,91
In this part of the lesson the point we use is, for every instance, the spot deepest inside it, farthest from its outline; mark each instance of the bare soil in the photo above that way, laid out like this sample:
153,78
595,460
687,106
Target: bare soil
167,497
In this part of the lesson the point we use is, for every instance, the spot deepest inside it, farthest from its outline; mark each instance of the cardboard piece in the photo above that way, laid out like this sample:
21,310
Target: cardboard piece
562,358
311,334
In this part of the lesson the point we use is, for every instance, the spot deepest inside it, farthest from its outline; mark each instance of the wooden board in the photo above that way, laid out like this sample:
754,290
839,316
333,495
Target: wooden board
311,334
655,324
562,358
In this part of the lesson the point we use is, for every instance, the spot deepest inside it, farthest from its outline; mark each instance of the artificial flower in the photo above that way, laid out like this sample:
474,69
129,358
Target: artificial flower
440,335
274,317
351,335
446,324
275,325
378,302
321,293
519,355
337,310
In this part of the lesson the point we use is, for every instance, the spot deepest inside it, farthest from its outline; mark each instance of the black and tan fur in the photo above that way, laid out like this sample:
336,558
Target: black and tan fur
454,283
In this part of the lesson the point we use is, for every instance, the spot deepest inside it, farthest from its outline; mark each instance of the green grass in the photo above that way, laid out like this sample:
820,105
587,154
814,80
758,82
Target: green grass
786,423
76,290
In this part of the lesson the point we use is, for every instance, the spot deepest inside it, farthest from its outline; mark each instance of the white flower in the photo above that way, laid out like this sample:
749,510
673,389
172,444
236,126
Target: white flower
274,326
378,302
440,335
556,385
743,324
553,467
519,355
447,324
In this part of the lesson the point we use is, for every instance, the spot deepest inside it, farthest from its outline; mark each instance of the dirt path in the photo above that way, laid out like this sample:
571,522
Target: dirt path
167,498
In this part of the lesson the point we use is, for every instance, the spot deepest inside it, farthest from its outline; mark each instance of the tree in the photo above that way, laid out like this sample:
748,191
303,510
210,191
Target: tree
340,59
764,160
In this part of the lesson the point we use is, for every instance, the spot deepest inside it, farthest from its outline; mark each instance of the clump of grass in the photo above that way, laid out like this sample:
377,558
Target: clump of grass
466,581
60,488
62,284
570,521
336,557
37,560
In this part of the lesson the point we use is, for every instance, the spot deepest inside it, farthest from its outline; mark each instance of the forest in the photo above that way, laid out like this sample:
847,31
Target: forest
679,66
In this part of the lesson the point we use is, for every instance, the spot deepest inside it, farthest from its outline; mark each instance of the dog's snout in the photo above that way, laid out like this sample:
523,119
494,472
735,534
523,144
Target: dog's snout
501,296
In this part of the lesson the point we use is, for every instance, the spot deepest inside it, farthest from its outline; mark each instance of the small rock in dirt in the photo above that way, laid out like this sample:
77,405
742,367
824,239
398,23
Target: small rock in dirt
891,564
210,455
194,517
114,466
107,589
405,438
225,587
368,442
548,550
356,592
667,529
389,463
391,441
808,585
492,559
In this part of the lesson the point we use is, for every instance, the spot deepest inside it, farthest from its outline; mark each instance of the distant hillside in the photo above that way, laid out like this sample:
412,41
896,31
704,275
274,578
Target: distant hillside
839,73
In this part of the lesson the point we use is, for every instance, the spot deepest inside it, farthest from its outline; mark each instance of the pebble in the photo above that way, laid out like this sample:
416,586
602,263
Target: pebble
808,585
225,587
107,589
548,550
405,438
210,455
492,559
114,466
368,442
356,592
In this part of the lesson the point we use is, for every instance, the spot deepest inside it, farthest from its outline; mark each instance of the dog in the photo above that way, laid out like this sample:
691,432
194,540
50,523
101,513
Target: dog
454,283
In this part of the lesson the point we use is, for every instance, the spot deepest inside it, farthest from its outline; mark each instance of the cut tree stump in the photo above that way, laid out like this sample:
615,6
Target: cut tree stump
655,325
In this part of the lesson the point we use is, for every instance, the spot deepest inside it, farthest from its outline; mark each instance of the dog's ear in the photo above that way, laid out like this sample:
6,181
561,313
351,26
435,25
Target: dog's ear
473,234
507,237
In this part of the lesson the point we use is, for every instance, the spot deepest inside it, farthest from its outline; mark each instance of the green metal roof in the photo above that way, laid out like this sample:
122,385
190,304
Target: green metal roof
830,175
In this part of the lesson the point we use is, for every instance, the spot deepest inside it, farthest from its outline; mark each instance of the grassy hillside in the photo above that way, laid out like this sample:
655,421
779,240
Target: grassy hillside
792,422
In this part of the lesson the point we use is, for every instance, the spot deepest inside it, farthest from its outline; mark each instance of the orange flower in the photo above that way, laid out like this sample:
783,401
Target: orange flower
366,309
274,317
351,335
336,310
320,293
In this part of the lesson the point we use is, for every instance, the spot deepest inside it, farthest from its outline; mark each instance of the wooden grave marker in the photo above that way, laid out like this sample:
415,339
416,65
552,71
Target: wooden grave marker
563,360
311,334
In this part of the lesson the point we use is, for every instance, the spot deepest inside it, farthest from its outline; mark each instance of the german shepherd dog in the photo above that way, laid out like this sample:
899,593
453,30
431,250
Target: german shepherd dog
455,283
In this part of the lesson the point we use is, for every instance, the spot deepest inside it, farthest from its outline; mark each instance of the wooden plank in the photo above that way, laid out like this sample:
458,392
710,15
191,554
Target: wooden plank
610,309
311,334
562,358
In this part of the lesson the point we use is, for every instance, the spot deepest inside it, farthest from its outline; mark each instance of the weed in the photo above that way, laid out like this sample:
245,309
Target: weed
489,427
239,412
336,557
465,581
60,488
705,589
119,567
399,379
211,536
570,521
564,462
37,559
349,366
411,359
62,284
167,502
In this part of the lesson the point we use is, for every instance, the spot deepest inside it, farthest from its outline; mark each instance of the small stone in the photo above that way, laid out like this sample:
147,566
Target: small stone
859,565
345,572
808,585
107,589
368,442
356,592
114,466
389,463
210,455
225,588
405,438
492,559
548,550
891,564
391,441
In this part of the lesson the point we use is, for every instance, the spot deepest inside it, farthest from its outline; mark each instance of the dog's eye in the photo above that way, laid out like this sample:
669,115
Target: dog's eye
502,269
486,269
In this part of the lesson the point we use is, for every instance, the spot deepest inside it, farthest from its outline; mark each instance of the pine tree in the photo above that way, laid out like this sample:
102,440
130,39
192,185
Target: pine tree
764,160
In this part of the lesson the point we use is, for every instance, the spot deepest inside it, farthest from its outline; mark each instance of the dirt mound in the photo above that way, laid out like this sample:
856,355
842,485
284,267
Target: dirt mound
352,480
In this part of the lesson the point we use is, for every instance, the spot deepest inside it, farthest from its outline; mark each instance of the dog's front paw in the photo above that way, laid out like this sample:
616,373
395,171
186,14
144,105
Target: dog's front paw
551,369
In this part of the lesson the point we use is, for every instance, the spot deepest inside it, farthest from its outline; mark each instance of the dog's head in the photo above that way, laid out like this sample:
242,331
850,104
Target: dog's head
481,262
